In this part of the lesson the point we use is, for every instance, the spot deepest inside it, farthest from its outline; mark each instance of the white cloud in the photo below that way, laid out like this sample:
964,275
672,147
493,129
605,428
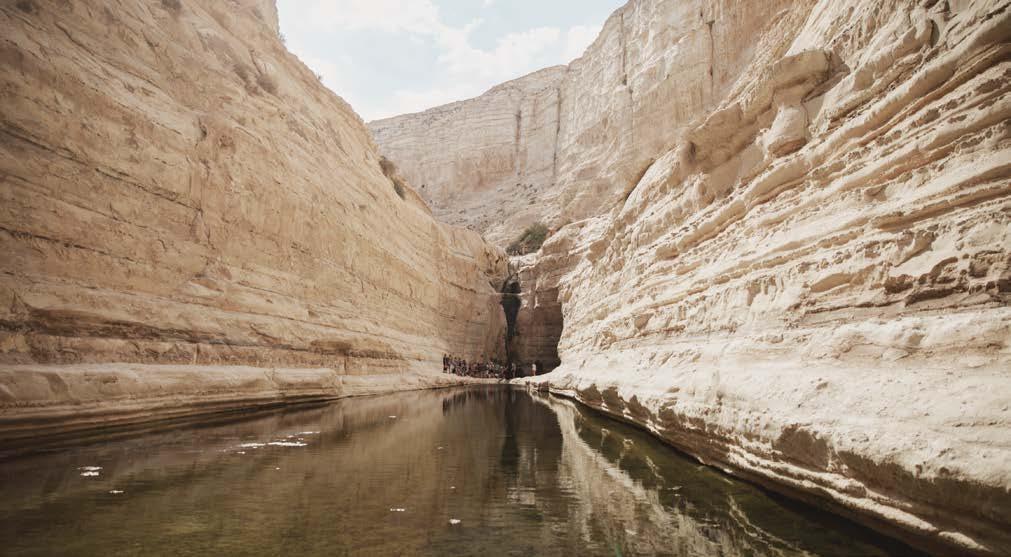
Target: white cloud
577,39
473,71
413,16
406,100
467,70
512,54
333,74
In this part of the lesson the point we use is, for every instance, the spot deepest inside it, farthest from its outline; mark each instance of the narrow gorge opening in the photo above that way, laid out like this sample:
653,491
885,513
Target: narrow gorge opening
534,325
511,304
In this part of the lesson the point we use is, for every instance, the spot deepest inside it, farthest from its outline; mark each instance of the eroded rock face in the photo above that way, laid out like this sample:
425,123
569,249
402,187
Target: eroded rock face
179,190
809,285
498,150
568,142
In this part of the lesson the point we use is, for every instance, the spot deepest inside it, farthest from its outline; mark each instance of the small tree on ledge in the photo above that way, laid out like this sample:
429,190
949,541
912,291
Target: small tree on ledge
530,241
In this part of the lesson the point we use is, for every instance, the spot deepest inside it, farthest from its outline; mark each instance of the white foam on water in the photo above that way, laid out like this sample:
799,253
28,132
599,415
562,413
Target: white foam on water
307,433
392,417
252,445
454,521
287,444
116,491
90,468
397,510
240,452
89,474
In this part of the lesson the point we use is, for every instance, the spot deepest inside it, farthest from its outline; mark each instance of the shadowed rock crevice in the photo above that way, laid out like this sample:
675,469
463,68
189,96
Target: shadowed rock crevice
539,321
511,303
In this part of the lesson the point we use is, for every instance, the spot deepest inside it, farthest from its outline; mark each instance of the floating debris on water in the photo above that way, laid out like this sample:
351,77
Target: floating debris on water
396,510
287,444
454,521
116,491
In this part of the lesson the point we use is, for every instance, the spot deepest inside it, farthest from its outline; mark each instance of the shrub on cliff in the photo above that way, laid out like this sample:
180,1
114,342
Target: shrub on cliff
390,171
530,241
173,6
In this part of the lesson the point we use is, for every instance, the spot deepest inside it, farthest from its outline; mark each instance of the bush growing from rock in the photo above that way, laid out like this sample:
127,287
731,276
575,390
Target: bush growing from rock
530,241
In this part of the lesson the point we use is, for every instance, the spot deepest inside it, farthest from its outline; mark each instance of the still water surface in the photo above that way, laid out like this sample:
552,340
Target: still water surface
479,471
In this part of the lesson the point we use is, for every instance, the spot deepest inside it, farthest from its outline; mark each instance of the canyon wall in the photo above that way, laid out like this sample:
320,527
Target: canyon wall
567,142
191,220
782,244
496,150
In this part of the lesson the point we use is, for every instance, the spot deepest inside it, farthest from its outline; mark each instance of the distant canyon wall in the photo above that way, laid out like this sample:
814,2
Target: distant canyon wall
568,142
179,190
782,243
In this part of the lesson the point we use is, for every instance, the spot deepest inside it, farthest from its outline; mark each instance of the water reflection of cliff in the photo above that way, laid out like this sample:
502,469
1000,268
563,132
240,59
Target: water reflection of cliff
630,495
524,476
200,491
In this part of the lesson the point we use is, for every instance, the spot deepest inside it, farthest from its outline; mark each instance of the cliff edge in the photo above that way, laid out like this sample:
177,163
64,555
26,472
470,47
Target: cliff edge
191,222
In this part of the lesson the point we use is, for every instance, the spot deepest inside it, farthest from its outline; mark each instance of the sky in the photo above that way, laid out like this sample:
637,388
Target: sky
390,57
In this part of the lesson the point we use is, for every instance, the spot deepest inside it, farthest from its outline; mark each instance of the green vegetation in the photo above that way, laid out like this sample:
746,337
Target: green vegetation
530,241
390,171
173,6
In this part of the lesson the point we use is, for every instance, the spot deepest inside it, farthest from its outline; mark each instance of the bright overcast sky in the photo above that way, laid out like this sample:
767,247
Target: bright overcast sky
389,57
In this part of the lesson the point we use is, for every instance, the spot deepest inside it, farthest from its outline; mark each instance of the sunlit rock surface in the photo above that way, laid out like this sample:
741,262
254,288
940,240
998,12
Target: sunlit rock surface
181,194
783,245
565,143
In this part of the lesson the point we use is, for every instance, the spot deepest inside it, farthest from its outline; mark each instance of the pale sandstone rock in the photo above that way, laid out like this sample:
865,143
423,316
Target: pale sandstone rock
181,194
496,150
564,143
809,284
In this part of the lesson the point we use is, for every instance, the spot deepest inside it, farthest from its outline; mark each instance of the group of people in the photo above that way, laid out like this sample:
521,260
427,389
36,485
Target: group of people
485,369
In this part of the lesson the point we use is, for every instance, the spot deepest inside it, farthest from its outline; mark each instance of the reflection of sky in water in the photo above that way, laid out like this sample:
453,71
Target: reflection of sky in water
486,471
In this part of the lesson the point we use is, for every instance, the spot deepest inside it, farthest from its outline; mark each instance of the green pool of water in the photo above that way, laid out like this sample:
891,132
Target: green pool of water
479,471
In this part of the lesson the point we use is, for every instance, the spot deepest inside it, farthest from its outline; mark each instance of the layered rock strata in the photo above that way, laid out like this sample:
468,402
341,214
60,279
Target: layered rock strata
811,289
567,142
808,286
496,150
181,194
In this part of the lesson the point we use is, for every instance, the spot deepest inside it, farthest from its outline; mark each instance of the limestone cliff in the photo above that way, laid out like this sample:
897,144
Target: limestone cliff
783,245
564,143
495,151
181,194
